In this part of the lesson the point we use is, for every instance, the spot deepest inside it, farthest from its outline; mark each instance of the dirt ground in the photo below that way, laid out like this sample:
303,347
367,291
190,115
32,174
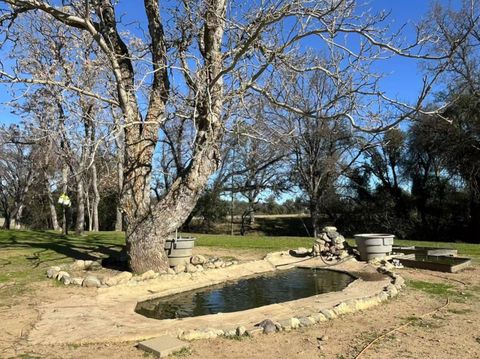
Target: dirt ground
450,332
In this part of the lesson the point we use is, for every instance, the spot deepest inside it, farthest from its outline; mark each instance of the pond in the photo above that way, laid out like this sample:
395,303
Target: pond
277,287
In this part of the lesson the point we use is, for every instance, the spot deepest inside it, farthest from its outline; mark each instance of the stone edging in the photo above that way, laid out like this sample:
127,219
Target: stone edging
90,278
107,314
350,306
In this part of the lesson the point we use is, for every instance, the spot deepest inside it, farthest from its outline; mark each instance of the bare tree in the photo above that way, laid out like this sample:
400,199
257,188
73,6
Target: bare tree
223,50
17,174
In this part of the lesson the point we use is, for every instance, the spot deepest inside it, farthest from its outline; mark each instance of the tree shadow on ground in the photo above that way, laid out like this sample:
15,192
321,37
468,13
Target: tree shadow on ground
284,226
50,246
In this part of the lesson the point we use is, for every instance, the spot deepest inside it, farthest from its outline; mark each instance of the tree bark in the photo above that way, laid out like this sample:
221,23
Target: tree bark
148,228
80,222
17,212
96,198
315,217
18,216
120,157
89,211
64,190
51,205
7,222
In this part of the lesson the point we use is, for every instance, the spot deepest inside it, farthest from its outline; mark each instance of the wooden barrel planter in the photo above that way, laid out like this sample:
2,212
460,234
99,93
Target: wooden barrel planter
179,250
374,245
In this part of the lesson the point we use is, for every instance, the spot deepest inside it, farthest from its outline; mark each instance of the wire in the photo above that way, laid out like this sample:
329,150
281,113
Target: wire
399,327
323,260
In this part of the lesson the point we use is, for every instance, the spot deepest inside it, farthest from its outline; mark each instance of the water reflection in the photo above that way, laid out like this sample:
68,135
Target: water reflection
277,287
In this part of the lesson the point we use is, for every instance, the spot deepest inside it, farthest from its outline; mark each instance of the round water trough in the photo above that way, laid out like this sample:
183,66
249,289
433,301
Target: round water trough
179,250
374,245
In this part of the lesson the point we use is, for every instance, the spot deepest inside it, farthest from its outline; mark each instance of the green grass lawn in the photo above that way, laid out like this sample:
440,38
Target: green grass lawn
283,243
24,255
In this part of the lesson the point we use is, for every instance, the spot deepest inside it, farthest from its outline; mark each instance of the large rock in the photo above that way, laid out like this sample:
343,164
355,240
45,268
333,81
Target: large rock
179,269
268,326
190,268
121,278
78,265
339,239
91,281
218,263
291,323
241,330
333,235
150,274
198,259
329,229
328,313
53,271
77,280
209,265
61,274
306,321
325,237
65,278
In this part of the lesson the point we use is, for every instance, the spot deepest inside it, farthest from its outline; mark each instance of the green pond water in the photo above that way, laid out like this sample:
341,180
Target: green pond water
277,287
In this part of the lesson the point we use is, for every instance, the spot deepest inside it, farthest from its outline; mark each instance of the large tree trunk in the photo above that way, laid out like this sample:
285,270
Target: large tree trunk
51,205
80,223
64,191
315,217
96,199
89,211
17,212
147,227
120,157
18,216
7,222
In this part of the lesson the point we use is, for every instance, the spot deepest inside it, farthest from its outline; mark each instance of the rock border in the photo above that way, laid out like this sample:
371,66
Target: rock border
342,308
198,263
110,310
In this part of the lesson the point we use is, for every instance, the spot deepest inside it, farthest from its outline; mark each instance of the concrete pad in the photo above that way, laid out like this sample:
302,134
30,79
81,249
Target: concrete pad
162,346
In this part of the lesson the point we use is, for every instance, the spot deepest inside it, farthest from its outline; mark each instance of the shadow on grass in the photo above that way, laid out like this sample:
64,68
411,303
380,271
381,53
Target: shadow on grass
49,246
292,226
285,226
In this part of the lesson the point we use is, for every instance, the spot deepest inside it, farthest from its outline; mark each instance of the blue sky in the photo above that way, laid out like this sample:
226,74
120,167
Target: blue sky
404,76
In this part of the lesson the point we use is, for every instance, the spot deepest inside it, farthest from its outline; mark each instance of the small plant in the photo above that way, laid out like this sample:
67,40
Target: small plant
440,289
236,337
431,288
422,323
184,352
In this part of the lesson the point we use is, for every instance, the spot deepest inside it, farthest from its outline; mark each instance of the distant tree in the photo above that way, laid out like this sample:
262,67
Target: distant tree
256,166
385,163
211,208
17,174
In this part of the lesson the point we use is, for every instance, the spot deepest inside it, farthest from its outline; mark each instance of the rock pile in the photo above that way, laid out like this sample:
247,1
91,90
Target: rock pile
199,263
330,244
